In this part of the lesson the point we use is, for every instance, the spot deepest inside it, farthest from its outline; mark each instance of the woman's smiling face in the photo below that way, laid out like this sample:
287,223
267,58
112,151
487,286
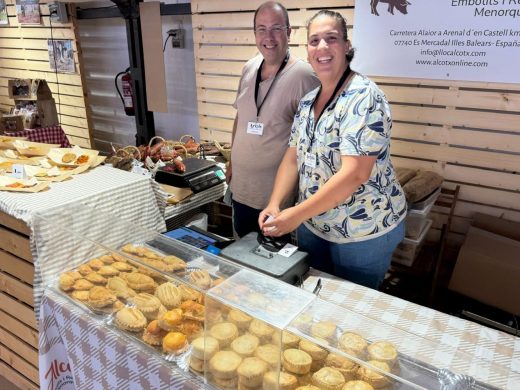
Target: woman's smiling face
327,48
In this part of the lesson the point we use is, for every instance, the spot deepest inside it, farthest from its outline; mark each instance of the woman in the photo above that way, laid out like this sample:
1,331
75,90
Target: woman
351,208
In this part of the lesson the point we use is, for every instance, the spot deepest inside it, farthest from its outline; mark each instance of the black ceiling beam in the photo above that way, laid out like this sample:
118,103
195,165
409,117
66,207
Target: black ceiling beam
114,12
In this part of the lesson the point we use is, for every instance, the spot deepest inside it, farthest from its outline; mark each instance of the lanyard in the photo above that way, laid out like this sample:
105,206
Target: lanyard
259,79
346,73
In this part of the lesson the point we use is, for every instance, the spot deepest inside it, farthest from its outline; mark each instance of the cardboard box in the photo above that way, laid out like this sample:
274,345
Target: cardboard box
488,270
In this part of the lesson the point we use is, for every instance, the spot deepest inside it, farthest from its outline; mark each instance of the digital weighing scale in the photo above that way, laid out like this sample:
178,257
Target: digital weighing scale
261,254
200,174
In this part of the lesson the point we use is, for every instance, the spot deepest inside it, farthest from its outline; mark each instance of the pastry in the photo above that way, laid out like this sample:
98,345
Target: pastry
129,248
201,278
153,334
119,286
308,387
239,318
288,339
303,321
101,297
224,364
96,278
225,333
353,344
347,367
269,353
384,352
283,381
95,264
107,259
118,257
196,364
80,295
174,342
261,330
169,295
192,310
82,284
122,266
296,361
251,371
226,383
108,270
191,328
171,319
357,385
245,345
189,294
179,265
139,282
148,304
68,158
204,348
131,319
328,378
374,378
66,281
324,330
317,353
84,269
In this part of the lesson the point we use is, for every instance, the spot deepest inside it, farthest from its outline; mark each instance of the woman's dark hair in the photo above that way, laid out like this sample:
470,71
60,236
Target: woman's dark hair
340,20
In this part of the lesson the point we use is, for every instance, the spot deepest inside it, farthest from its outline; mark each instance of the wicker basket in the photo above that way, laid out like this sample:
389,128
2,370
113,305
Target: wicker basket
225,152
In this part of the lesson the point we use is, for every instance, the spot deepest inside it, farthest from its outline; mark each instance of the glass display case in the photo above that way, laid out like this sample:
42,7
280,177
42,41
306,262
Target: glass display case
230,327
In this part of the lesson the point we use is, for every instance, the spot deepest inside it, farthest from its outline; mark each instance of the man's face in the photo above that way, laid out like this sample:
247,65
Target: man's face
272,35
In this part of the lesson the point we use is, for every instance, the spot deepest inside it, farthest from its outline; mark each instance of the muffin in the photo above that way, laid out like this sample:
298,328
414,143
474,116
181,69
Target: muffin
328,378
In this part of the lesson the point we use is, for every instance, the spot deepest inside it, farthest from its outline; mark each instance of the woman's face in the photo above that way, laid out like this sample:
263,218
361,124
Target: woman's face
327,49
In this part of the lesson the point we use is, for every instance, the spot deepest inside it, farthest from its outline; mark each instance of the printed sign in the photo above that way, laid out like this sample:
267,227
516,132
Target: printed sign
473,40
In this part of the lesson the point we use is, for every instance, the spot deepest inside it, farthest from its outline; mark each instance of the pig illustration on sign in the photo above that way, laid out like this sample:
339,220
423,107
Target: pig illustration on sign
399,4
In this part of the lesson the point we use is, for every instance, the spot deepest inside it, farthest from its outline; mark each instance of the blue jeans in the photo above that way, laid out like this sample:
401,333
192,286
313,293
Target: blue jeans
245,219
361,262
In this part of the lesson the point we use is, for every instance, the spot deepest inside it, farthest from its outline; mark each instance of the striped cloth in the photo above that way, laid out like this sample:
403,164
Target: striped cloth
103,205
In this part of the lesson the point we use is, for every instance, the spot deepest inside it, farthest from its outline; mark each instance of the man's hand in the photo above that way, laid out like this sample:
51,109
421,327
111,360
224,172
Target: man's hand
229,172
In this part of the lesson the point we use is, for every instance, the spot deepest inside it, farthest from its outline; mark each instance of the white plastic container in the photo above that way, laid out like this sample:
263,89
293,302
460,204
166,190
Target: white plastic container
407,251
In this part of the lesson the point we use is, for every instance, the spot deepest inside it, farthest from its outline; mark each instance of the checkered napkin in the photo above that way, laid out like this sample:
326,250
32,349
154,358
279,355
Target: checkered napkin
48,135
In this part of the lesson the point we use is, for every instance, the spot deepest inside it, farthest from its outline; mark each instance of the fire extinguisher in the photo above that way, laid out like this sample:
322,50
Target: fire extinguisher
127,98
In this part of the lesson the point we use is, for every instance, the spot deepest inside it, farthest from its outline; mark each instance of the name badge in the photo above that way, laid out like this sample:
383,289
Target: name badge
310,160
255,128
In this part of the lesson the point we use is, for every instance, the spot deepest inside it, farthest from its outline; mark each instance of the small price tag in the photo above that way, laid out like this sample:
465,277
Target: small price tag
288,250
18,171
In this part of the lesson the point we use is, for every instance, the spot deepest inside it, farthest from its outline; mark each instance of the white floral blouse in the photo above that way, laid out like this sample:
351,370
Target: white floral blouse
356,123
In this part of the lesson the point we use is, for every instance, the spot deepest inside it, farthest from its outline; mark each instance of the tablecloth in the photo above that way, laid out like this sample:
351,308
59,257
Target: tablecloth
48,135
102,358
72,210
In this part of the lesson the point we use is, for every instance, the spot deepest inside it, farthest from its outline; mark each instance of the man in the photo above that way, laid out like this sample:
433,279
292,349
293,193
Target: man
270,89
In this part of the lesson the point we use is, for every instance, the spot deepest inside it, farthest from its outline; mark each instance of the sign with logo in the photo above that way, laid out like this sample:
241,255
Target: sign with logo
473,40
55,372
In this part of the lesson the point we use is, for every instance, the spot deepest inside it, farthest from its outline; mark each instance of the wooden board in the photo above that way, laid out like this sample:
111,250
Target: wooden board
15,244
15,377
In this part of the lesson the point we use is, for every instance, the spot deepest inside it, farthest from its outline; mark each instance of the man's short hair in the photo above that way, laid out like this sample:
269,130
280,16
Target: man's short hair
272,4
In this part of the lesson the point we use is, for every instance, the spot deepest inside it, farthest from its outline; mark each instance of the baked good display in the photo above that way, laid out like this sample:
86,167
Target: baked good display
139,282
108,270
279,381
95,278
315,351
192,310
80,295
328,378
245,345
383,351
95,264
119,286
287,339
174,342
82,284
296,361
201,278
130,319
190,294
66,281
375,378
224,332
224,364
353,344
191,328
251,371
169,295
204,348
122,266
357,385
178,265
99,297
148,304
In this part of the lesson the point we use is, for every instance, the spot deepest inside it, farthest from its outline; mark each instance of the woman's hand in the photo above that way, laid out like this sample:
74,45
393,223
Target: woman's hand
269,211
283,223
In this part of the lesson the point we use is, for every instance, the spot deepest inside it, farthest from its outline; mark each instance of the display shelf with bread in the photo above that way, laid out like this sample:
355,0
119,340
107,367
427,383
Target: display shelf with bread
230,327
